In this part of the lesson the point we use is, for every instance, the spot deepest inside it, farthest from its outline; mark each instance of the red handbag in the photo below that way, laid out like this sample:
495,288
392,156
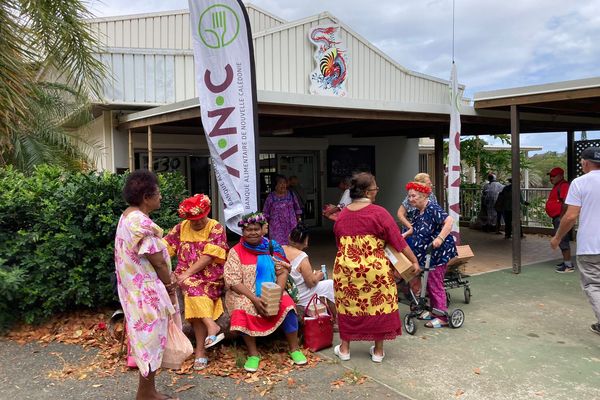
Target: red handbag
318,329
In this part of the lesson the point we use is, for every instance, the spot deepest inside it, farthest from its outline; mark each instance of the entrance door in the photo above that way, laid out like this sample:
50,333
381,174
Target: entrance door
304,167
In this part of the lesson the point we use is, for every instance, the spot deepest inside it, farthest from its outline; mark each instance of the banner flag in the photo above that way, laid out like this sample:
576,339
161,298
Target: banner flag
454,156
225,79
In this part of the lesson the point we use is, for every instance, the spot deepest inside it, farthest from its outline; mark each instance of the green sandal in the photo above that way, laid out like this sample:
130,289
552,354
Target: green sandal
252,363
298,357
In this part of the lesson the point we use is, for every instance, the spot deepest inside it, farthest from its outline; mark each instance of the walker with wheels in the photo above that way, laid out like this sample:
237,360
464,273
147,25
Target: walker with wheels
419,304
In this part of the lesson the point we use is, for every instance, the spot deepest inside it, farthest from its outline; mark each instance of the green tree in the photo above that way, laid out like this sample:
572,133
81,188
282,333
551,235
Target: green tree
541,164
474,154
42,42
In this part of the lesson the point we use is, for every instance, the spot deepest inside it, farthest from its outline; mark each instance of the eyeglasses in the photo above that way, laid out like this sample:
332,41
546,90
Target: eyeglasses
373,189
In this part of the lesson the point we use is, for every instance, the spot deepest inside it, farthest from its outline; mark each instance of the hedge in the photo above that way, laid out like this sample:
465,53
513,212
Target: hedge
57,233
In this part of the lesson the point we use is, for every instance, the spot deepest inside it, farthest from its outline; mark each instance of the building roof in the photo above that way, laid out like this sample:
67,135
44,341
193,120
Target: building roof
579,98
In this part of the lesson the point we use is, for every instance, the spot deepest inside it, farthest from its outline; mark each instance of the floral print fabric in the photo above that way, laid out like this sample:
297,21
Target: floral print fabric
282,214
426,227
366,296
143,296
190,245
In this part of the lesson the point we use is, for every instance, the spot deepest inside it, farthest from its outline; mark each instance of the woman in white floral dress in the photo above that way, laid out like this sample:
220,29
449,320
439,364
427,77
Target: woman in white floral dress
143,269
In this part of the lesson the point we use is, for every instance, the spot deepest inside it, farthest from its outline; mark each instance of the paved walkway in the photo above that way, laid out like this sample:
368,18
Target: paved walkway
525,336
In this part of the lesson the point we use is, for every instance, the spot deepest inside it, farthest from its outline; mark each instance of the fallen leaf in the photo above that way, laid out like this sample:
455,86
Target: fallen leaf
184,388
291,382
459,392
97,385
477,371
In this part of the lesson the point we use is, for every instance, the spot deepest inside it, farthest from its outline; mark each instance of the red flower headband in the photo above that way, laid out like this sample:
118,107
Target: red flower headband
419,187
195,207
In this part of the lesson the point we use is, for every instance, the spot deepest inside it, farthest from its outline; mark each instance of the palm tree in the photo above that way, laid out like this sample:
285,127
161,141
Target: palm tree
45,41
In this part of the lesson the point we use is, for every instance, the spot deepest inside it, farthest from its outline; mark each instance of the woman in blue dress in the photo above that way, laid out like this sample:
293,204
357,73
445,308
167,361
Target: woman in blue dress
431,225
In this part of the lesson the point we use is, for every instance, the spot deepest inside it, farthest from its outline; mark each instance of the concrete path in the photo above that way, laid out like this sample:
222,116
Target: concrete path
525,336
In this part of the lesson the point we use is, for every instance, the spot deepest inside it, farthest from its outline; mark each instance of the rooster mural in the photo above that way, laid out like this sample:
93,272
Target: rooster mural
329,77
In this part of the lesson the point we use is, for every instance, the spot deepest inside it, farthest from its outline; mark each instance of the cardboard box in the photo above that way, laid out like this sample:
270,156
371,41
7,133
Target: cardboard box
271,293
464,254
400,263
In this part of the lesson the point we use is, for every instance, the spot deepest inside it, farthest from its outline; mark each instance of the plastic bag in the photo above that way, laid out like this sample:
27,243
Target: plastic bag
178,347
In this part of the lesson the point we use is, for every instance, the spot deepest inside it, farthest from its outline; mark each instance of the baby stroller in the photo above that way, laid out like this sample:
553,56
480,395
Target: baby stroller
419,304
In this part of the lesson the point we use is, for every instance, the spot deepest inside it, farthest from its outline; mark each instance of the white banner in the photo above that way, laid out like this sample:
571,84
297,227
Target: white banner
454,156
224,61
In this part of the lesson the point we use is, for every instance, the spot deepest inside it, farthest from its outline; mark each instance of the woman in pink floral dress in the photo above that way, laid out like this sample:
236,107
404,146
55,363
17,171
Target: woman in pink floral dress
143,269
201,247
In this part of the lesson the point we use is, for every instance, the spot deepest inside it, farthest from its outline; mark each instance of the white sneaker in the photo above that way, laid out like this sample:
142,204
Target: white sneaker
374,357
342,356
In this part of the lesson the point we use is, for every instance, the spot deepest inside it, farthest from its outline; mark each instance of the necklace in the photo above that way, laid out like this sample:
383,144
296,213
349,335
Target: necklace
362,200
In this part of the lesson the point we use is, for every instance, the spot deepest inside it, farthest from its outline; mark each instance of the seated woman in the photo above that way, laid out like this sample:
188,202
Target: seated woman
307,281
201,247
251,262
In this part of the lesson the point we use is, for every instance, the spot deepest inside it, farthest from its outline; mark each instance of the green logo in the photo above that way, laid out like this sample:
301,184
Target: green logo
218,26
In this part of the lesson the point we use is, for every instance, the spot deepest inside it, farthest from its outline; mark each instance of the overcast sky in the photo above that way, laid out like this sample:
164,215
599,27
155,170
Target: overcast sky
497,44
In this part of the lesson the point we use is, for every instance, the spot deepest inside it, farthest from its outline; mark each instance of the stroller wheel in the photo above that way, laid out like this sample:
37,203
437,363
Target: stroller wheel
448,298
467,295
409,324
457,318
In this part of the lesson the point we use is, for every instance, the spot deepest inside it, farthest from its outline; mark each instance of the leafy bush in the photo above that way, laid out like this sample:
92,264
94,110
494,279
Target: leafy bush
57,238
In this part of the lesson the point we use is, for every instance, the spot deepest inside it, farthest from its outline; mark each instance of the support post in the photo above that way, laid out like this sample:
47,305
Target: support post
571,161
130,151
516,189
439,167
150,166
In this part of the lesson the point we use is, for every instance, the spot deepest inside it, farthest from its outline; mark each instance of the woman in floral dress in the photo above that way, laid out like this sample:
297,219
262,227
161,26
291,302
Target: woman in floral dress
431,226
143,269
282,211
250,263
201,247
365,289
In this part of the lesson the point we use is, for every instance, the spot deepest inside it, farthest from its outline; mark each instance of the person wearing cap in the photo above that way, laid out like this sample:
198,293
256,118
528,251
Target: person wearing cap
200,244
583,202
555,208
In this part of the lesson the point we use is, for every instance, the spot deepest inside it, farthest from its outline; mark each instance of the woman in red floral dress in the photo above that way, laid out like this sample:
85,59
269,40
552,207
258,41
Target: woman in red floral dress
366,296
201,247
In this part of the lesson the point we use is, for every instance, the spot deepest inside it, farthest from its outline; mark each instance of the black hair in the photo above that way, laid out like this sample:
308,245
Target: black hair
360,184
278,178
139,184
299,233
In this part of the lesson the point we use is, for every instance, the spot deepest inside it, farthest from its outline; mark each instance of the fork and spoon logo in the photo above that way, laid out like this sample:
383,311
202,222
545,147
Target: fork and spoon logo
218,26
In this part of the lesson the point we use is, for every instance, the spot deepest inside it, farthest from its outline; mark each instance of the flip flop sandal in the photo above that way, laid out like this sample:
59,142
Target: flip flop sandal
342,356
252,363
200,363
436,323
214,339
376,357
298,357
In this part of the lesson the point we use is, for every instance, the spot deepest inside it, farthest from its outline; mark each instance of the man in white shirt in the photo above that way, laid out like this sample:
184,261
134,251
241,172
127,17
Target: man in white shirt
583,201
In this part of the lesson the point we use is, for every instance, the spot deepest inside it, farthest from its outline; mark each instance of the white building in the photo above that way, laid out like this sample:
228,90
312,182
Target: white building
150,105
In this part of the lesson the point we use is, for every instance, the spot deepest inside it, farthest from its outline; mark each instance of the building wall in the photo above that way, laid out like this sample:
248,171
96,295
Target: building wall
151,61
170,30
396,162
